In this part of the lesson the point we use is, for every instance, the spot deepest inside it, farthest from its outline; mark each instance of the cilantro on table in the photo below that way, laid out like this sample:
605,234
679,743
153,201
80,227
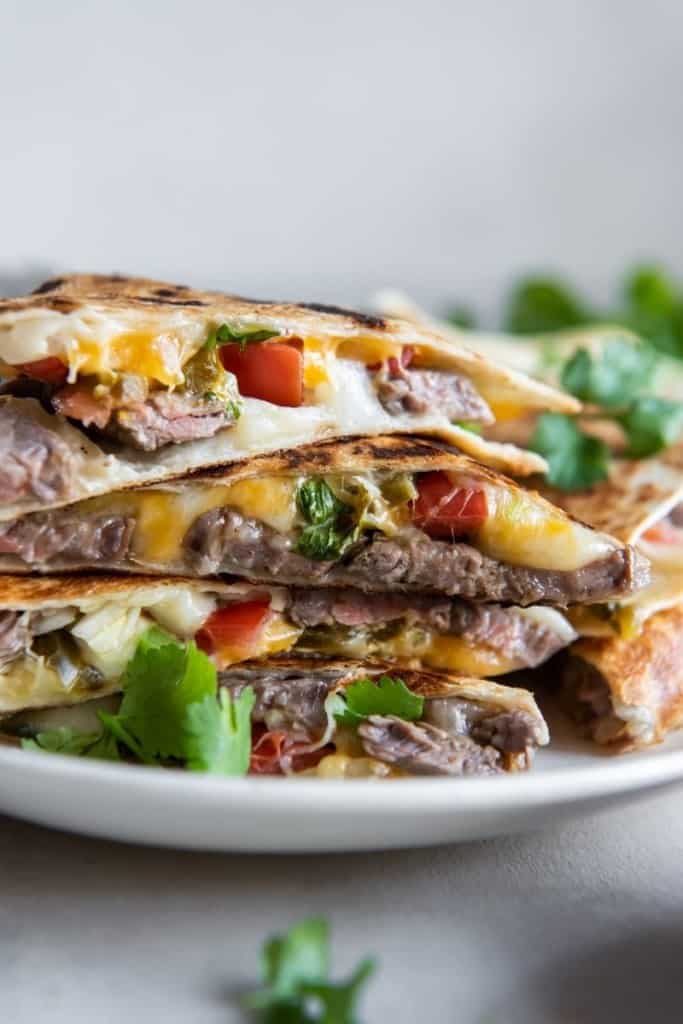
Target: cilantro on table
297,990
330,526
224,334
575,460
388,696
170,712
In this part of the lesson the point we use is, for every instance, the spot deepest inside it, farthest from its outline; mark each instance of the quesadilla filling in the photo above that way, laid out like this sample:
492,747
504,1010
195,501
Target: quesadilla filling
63,654
135,392
324,720
587,696
454,533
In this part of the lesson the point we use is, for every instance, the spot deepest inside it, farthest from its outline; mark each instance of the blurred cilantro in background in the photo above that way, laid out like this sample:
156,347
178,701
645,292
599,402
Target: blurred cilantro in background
612,384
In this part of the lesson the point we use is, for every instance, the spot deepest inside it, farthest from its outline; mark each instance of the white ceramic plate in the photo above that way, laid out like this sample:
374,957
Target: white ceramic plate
165,808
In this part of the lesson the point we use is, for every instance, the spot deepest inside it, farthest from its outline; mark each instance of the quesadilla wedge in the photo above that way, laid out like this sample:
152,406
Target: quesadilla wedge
377,514
341,719
627,692
622,680
65,639
118,381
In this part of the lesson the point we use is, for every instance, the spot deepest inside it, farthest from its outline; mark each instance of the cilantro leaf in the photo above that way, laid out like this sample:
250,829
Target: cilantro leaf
160,681
651,424
462,316
386,697
218,733
622,371
330,527
540,304
575,460
654,308
224,334
65,740
295,968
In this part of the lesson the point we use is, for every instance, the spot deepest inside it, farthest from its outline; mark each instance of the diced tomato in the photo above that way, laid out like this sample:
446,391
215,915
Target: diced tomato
274,751
443,509
50,369
664,532
266,753
235,626
272,371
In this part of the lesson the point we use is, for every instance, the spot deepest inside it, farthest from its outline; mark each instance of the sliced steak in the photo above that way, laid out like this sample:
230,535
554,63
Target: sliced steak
423,749
511,731
14,635
332,606
225,541
421,563
35,462
520,638
169,417
285,699
404,390
63,537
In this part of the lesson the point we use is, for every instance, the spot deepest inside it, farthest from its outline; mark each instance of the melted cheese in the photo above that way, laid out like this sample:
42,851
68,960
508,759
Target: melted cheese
29,682
523,532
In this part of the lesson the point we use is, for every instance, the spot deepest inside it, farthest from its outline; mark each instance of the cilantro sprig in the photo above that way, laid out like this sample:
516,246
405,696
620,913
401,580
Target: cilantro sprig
224,334
170,712
330,526
296,986
575,460
366,697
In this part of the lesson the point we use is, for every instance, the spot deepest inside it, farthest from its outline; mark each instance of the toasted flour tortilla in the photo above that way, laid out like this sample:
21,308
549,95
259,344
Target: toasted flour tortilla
627,693
65,639
108,329
246,520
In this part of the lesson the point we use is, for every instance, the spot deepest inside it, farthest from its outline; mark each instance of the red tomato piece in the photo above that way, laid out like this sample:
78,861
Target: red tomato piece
50,369
443,509
266,753
664,532
235,626
269,370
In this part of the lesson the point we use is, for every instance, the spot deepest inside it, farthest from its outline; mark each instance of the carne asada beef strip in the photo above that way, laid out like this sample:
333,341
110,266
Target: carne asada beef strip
148,423
285,698
64,536
402,390
506,630
225,541
34,460
423,749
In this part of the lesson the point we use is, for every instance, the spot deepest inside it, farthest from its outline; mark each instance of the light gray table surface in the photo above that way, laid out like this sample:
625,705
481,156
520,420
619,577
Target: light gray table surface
582,923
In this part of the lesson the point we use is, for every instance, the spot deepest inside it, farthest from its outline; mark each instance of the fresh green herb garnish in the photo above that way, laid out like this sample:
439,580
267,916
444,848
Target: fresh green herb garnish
218,733
66,740
297,989
651,424
170,711
330,527
575,460
386,697
462,316
541,304
224,334
622,371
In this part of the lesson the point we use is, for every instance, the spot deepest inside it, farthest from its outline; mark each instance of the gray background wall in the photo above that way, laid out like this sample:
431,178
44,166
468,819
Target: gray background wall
320,149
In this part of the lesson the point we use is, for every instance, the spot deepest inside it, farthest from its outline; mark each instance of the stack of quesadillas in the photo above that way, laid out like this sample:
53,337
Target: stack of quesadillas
300,493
